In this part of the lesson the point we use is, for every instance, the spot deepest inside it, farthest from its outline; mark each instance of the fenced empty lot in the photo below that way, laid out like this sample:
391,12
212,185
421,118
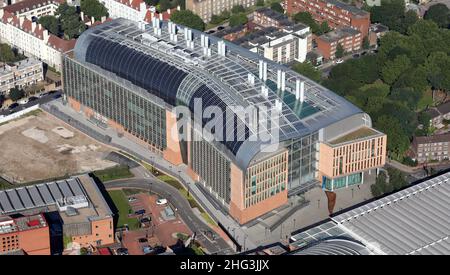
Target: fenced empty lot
38,146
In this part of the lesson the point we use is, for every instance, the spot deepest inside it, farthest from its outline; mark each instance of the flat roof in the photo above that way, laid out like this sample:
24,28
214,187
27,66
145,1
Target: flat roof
22,223
45,196
415,220
357,134
338,34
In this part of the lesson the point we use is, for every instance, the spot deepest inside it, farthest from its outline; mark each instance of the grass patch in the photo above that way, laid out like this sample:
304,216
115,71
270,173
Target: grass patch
66,241
171,181
130,192
113,173
208,219
196,248
121,203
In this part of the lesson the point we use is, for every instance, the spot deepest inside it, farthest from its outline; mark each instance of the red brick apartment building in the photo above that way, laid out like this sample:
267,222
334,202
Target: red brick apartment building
29,233
350,39
332,11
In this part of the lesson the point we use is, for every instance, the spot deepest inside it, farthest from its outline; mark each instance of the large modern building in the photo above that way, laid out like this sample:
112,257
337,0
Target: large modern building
130,76
334,12
412,221
76,204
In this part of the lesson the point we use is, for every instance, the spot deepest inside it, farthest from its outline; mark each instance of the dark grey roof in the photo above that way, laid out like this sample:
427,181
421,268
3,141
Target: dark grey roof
281,18
444,108
39,195
433,138
350,8
433,112
339,33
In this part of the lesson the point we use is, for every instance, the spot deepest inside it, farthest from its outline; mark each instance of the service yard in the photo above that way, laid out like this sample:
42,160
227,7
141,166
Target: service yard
39,146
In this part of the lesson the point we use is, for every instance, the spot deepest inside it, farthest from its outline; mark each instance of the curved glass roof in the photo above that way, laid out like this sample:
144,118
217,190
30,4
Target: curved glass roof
180,70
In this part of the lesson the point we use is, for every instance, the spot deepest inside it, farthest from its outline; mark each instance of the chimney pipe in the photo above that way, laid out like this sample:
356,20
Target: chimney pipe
300,90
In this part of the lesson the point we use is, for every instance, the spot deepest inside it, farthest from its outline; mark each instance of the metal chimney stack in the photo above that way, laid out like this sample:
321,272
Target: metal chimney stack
300,90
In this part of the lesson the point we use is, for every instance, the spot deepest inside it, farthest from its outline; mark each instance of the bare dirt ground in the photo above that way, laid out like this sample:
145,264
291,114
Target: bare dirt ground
41,147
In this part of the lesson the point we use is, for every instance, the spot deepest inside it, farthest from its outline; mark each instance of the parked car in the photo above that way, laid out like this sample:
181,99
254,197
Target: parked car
147,249
32,98
339,61
220,28
356,55
14,105
146,220
131,199
157,250
23,101
143,240
161,202
124,228
122,251
139,212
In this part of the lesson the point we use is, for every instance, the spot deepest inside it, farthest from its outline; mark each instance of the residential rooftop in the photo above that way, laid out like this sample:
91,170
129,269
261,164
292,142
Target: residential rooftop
348,7
339,33
432,139
281,18
8,68
27,5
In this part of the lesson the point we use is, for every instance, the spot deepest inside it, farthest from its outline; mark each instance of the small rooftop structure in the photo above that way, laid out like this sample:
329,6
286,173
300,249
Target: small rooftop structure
10,225
357,134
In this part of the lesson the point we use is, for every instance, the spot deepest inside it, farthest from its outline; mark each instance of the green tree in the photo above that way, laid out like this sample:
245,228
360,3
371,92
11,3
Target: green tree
151,2
277,7
215,19
365,43
188,19
237,9
339,51
6,53
324,28
307,19
50,23
93,8
260,3
424,119
393,69
440,14
238,19
70,21
16,93
398,141
307,70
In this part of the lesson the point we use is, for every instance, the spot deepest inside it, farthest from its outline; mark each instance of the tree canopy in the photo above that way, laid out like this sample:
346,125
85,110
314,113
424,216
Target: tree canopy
93,8
394,85
307,70
392,14
439,14
16,93
238,19
307,19
70,22
7,54
189,19
50,23
277,7
237,9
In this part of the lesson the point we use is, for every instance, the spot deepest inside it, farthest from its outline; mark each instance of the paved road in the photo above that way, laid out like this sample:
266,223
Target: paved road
41,100
218,246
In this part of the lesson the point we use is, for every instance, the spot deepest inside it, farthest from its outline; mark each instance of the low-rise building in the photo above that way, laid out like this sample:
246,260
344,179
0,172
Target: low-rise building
431,148
83,212
207,8
29,234
233,33
291,43
22,73
31,38
439,114
34,8
349,38
335,13
135,10
376,32
266,17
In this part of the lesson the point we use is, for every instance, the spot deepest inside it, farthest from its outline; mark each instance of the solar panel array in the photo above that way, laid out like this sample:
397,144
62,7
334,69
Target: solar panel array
39,195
